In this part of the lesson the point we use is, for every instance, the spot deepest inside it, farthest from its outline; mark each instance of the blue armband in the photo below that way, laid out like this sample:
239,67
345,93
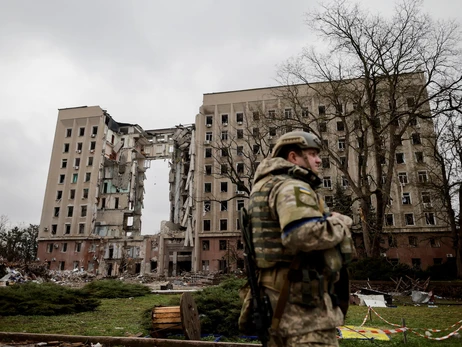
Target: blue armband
294,225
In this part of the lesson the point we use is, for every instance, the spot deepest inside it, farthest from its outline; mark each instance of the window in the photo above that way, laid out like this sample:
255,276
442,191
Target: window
205,245
256,115
103,203
224,119
239,117
423,178
416,263
288,113
208,136
72,194
224,152
325,163
81,131
322,110
56,212
209,121
205,265
323,127
64,247
66,148
70,211
327,182
361,161
240,204
224,187
240,133
224,169
415,139
62,178
325,144
272,114
49,247
400,158
426,198
240,168
240,150
341,144
419,157
397,140
206,226
63,163
406,198
305,112
208,170
223,245
224,135
67,228
329,200
239,244
343,162
81,228
345,182
90,161
256,149
59,194
412,241
208,152
83,211
238,224
410,102
54,228
94,131
340,126
116,203
68,132
389,219
85,193
75,177
435,243
272,131
392,242
360,142
223,205
79,147
408,219
430,218
402,177
223,224
76,163
207,187
256,132
92,145
207,206
78,246
437,261
339,108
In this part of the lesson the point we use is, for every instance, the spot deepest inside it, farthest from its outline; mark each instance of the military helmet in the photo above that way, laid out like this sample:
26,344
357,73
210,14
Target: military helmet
301,139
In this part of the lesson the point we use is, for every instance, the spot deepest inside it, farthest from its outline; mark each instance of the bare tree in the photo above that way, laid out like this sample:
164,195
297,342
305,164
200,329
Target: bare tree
381,77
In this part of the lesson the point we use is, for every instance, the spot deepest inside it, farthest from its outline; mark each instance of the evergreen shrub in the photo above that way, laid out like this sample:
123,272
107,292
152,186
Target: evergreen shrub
113,288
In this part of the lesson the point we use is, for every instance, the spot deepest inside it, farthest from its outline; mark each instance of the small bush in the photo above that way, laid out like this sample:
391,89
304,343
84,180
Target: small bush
219,307
378,269
47,299
110,289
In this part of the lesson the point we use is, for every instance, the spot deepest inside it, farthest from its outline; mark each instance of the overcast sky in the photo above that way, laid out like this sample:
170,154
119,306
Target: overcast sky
146,61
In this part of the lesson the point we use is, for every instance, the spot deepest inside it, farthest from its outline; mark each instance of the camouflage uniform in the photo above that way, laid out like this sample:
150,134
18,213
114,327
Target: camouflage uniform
283,201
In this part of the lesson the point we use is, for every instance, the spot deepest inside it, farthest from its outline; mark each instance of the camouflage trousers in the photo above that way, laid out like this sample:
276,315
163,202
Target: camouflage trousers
320,338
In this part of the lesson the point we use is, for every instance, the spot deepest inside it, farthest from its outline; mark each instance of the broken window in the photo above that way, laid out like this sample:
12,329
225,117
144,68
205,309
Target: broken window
256,132
90,161
207,206
329,200
76,163
256,115
416,140
239,117
208,169
389,219
116,203
430,218
207,187
397,140
392,242
435,243
83,211
103,203
340,126
70,211
87,176
61,265
224,206
409,219
305,112
54,229
49,247
209,121
322,110
208,152
223,224
59,194
62,177
79,147
224,187
325,163
205,265
85,193
240,168
323,127
272,114
256,149
206,224
94,131
224,119
92,145
66,148
406,198
56,213
64,163
224,169
64,247
68,132
205,245
81,228
341,144
240,204
78,246
81,131
413,241
240,133
224,152
72,194
426,198
400,158
272,131
416,263
345,182
223,245
419,157
410,102
423,178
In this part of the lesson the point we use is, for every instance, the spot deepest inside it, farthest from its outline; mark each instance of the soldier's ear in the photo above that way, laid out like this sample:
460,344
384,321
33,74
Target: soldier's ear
292,157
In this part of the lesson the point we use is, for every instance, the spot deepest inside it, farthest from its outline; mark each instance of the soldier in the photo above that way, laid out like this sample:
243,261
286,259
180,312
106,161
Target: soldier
300,247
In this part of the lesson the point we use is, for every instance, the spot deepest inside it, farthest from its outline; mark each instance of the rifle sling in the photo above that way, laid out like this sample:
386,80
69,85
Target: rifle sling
283,296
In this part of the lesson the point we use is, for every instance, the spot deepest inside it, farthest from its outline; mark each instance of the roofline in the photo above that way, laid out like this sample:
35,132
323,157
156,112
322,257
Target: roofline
71,108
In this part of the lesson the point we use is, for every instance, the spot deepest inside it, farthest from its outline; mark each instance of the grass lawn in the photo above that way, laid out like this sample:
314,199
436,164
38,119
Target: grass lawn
123,317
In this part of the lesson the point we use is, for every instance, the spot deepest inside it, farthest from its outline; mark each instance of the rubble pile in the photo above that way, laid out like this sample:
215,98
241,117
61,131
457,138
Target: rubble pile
72,278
